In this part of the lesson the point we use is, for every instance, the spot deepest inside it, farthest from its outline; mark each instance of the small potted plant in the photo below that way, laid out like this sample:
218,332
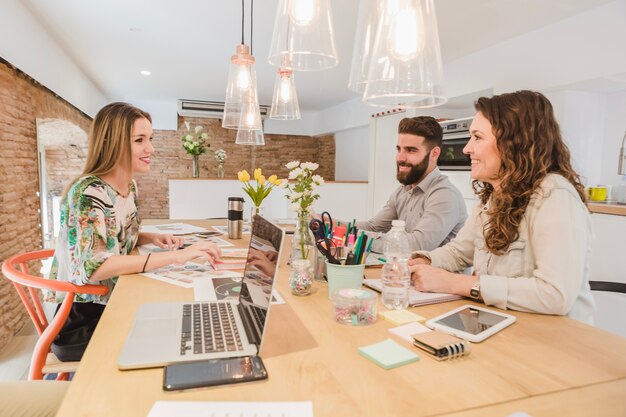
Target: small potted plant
195,143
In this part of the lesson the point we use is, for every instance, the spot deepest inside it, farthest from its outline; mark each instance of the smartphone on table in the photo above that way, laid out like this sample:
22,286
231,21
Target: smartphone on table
213,372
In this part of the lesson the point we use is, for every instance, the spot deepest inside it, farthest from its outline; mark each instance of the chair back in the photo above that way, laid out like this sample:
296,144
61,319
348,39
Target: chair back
610,298
16,270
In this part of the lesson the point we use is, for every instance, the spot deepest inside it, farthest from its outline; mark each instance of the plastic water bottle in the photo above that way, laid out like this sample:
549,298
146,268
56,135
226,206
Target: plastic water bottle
396,278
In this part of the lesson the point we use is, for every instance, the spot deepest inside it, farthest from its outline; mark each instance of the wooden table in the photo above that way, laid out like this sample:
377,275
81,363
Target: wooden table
544,365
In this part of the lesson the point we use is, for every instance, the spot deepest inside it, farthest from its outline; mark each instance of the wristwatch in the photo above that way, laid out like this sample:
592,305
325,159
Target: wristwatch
475,290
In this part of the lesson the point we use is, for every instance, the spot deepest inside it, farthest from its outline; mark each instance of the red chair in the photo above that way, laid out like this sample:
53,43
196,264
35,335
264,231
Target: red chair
43,360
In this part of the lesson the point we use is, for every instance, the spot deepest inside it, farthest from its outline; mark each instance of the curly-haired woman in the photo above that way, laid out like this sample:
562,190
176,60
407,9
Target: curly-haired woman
528,239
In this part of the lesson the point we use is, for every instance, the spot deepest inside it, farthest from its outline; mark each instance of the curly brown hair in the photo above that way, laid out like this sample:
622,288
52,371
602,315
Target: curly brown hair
530,145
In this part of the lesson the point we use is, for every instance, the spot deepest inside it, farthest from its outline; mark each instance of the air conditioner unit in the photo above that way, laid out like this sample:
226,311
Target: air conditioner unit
209,109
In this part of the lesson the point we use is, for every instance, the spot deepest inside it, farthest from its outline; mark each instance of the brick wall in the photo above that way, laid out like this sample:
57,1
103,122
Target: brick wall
171,161
22,102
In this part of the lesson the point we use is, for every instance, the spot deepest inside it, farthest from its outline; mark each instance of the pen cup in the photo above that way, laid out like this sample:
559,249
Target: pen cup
344,276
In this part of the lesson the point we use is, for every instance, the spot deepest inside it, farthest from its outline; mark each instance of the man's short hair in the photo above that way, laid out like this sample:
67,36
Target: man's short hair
424,126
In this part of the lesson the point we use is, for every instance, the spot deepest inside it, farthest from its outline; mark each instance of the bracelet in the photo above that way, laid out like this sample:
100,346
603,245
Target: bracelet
146,263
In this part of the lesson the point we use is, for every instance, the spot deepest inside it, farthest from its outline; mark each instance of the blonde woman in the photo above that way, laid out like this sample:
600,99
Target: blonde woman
100,222
529,238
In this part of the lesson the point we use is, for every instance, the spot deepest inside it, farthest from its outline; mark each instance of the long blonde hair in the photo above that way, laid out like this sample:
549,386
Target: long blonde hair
530,145
110,140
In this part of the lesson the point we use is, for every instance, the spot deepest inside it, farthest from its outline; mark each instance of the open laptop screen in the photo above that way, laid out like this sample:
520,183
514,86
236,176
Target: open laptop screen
258,277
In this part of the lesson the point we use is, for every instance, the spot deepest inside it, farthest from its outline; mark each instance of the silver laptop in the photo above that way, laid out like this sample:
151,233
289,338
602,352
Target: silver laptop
167,333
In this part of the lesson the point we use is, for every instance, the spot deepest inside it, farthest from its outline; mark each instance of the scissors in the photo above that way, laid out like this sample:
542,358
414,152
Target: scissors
326,248
318,228
327,220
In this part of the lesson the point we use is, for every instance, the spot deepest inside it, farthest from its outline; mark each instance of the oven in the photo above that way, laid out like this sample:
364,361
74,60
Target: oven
455,136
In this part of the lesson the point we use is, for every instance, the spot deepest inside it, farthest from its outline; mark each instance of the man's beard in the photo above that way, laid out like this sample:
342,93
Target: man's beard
415,174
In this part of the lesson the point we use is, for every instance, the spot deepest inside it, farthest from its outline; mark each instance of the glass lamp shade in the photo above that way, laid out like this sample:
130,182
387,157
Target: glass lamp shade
250,137
285,101
405,67
367,19
303,34
241,81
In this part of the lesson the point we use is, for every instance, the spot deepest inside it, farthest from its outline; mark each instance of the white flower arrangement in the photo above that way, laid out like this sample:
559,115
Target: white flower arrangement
302,192
220,156
196,142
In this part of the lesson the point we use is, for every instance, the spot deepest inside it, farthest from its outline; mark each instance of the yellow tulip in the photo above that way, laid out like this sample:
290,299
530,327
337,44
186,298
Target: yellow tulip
272,179
278,182
245,176
257,174
261,180
239,176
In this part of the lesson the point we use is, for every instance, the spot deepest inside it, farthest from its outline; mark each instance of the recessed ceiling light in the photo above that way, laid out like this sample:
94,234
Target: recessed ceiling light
144,72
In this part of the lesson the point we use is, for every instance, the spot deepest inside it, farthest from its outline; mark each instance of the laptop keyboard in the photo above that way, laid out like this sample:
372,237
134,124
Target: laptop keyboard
208,328
259,315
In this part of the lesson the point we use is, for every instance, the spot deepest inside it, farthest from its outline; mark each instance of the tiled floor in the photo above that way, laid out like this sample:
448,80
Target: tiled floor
15,357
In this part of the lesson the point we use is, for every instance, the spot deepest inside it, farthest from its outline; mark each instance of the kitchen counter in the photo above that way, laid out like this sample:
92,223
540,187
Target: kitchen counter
604,208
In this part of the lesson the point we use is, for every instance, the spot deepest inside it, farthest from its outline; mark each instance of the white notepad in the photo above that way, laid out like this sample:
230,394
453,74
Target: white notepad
230,409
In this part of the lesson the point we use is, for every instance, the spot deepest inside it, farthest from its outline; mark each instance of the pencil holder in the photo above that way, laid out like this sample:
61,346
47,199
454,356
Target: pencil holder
344,276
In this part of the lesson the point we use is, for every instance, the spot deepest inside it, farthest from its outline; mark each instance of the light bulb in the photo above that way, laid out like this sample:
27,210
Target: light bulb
248,116
303,12
243,78
284,92
405,39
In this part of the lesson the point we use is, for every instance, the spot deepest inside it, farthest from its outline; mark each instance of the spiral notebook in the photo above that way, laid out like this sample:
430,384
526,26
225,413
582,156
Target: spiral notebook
441,346
416,298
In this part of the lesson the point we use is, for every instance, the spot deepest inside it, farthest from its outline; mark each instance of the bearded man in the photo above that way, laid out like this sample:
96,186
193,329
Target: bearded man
432,208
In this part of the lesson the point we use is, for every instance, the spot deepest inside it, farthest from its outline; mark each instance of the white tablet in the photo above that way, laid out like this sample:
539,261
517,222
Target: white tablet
471,322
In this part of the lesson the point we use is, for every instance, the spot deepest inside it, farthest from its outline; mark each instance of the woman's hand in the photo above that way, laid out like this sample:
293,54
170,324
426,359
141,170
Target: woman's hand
199,250
263,261
430,279
418,261
168,242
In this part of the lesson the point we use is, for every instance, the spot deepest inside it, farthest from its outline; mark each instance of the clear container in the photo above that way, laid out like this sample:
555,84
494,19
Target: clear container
619,191
354,307
395,276
301,278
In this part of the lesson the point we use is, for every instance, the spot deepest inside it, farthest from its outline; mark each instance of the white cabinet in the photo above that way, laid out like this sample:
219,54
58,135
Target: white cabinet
608,263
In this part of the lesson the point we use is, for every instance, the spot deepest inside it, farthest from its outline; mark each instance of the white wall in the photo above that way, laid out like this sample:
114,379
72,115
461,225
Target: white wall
26,45
581,116
614,129
586,46
352,154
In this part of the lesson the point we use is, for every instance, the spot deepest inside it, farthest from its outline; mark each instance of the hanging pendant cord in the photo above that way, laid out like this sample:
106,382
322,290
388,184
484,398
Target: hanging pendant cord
242,19
251,25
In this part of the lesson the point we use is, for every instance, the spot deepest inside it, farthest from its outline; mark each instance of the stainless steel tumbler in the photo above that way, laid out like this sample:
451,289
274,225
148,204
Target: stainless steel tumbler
235,217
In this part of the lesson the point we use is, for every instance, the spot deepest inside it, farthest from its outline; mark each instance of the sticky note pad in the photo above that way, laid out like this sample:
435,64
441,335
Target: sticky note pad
399,317
388,354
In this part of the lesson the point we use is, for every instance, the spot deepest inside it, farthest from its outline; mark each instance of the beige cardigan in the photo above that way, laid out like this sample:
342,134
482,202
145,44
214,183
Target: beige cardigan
546,270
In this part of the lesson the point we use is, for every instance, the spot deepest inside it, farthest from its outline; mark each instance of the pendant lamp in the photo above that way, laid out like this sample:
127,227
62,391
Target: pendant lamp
241,105
367,19
285,100
303,33
250,137
405,67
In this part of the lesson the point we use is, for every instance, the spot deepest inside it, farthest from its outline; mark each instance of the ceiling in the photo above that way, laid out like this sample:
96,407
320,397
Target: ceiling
186,44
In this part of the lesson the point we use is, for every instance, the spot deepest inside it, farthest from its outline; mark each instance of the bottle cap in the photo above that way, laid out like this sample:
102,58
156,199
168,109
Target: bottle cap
397,223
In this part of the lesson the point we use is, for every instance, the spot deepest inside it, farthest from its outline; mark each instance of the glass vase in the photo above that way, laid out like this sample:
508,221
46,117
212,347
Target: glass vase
195,166
300,279
220,170
302,243
256,211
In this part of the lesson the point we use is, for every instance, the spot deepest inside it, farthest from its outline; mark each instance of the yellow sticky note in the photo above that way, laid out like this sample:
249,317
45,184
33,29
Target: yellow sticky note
398,317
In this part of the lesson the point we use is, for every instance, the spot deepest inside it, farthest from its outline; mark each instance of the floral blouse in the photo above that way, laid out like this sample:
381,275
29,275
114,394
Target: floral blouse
96,223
